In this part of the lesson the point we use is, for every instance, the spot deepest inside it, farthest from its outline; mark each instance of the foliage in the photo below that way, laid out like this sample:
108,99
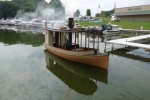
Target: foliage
38,1
77,13
107,13
26,5
88,12
97,15
22,6
9,9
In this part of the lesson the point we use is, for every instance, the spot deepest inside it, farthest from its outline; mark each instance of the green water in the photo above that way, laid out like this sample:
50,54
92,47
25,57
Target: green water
29,72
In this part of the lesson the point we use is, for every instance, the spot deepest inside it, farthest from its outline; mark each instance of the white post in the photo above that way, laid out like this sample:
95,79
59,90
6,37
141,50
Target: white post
141,27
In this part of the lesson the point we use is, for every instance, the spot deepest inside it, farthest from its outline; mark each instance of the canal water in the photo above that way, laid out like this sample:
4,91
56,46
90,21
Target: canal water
29,72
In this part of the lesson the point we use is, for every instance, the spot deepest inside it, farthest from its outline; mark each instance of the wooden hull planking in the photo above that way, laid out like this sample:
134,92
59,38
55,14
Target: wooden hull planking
94,60
107,32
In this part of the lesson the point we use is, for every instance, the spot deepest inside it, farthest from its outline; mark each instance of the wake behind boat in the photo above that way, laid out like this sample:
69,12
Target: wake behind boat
64,42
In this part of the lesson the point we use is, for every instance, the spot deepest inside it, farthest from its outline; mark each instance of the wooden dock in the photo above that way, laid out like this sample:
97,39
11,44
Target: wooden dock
135,31
131,42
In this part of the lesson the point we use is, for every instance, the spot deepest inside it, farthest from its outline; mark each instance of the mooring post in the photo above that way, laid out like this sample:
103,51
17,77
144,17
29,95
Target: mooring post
136,31
141,27
105,48
112,47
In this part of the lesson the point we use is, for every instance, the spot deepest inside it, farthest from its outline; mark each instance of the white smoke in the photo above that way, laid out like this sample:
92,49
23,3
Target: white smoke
44,12
68,4
68,7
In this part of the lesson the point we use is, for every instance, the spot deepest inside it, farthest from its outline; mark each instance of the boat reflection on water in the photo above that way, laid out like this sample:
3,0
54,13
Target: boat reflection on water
9,37
79,77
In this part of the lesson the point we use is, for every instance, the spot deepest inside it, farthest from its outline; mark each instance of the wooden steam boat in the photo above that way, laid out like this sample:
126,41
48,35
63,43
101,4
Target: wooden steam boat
65,43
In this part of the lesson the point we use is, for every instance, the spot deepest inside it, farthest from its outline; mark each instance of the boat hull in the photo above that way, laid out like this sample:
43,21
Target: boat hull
94,60
110,32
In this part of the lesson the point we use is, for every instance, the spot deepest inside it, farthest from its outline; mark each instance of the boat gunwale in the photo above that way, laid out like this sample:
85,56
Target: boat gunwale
67,30
73,52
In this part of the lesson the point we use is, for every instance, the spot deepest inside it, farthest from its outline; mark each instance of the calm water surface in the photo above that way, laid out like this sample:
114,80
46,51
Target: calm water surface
29,72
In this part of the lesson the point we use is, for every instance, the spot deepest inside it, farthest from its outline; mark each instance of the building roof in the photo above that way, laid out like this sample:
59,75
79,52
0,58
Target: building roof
133,6
132,13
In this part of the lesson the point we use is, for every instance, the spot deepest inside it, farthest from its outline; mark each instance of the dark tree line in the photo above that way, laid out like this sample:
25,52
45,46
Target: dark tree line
105,13
10,8
26,5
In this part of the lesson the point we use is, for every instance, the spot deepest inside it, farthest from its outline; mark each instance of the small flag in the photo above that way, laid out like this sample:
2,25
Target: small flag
45,28
114,4
99,6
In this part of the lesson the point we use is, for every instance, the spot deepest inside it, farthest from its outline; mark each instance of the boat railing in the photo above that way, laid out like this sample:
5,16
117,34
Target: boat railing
74,47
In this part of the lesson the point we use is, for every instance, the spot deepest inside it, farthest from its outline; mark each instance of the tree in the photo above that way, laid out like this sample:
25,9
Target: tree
107,13
97,15
88,12
9,9
77,13
38,1
26,5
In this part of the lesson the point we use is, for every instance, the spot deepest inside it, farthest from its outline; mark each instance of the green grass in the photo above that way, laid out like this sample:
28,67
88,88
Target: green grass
133,25
124,25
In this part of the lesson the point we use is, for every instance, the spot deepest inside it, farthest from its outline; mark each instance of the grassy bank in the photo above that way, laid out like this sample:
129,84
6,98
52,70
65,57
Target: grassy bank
124,25
134,25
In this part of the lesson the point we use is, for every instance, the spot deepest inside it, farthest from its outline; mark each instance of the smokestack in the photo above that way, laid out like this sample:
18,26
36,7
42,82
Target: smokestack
71,23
